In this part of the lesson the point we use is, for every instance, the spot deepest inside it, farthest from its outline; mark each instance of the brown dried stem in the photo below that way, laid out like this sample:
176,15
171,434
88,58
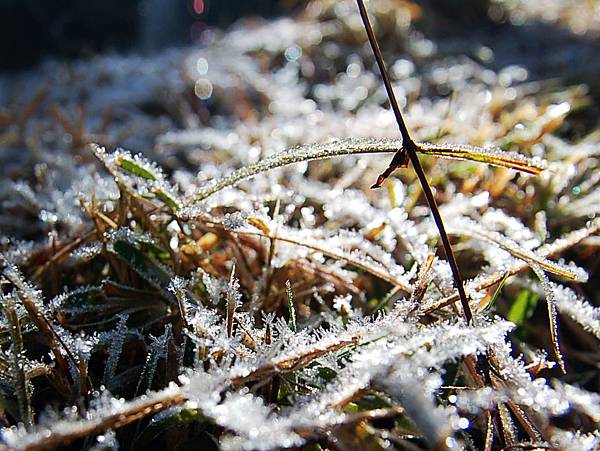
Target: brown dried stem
556,247
53,438
411,148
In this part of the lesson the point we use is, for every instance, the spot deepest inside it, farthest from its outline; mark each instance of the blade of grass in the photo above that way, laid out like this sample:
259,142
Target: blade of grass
359,261
492,156
357,146
521,307
298,154
28,297
552,315
467,227
492,300
63,432
18,369
291,308
232,301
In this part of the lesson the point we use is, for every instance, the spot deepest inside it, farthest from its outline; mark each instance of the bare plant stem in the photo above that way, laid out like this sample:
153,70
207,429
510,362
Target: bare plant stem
53,438
411,148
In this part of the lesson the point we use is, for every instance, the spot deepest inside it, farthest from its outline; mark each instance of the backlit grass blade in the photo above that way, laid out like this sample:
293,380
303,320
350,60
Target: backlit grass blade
355,146
489,155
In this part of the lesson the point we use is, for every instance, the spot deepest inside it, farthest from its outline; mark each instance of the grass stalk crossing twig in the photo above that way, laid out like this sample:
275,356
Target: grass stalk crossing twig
411,148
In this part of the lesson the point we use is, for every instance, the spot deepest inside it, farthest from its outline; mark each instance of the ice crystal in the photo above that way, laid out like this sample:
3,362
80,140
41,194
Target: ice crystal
568,303
158,349
216,287
520,387
117,338
86,252
139,175
566,440
342,305
232,301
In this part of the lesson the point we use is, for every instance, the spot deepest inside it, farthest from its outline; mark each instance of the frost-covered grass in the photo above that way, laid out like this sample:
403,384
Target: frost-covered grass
192,256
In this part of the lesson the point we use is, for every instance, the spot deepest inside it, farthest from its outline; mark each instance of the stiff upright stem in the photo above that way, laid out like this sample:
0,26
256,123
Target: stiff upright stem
411,149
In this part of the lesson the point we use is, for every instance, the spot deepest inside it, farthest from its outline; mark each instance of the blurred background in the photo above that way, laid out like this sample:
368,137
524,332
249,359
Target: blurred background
31,30
545,34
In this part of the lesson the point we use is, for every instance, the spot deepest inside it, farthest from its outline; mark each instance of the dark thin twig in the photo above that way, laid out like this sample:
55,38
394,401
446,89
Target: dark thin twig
410,147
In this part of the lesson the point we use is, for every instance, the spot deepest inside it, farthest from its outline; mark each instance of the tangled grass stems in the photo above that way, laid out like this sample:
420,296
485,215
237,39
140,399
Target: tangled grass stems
547,250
